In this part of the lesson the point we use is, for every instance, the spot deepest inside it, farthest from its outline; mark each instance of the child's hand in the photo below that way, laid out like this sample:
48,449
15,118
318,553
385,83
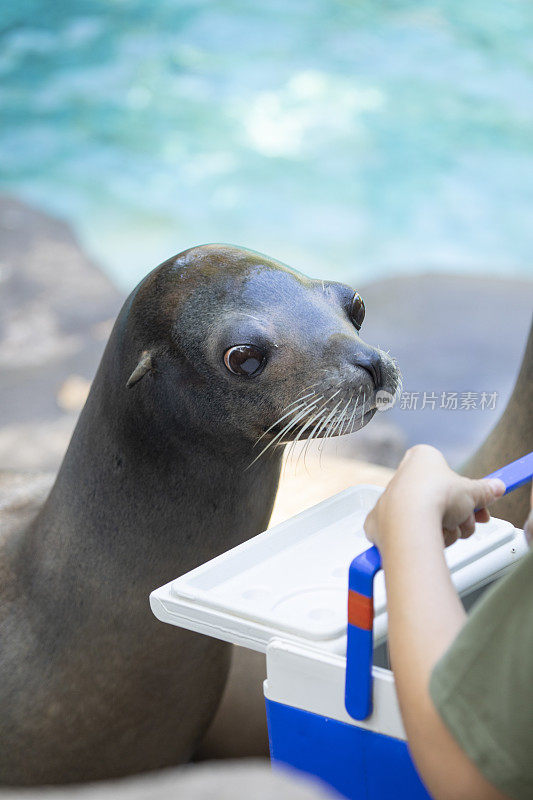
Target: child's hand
425,490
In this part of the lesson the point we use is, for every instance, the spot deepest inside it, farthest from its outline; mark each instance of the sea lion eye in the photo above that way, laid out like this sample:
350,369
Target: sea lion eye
245,359
357,310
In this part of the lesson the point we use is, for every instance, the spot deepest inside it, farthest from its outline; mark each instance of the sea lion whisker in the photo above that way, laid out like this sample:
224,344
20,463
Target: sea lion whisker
310,386
332,423
301,415
351,420
326,402
288,452
318,415
324,420
355,409
340,426
290,449
295,440
320,423
311,421
340,422
280,419
301,431
325,427
314,432
299,411
301,396
319,427
294,402
347,413
304,451
336,422
332,419
399,387
300,400
329,417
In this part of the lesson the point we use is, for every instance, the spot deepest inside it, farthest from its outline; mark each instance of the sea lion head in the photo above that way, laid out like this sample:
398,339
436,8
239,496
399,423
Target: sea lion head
241,347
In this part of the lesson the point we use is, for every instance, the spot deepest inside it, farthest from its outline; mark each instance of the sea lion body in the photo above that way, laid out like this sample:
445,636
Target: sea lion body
511,438
159,477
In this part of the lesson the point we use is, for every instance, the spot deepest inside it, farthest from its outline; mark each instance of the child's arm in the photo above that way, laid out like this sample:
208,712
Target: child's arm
424,503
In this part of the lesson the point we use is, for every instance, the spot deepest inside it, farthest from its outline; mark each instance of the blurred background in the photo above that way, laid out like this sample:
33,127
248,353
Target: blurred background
386,145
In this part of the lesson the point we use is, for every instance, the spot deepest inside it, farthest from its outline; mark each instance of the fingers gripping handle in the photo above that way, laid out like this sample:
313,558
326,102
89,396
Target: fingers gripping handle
360,638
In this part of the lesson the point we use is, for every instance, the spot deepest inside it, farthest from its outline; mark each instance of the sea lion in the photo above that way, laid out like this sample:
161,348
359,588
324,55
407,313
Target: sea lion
217,359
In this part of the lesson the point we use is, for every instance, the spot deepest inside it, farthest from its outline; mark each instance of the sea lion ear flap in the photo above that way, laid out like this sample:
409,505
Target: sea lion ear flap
144,366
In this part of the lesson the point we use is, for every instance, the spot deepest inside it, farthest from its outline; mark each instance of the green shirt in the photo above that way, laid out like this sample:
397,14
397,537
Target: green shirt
483,685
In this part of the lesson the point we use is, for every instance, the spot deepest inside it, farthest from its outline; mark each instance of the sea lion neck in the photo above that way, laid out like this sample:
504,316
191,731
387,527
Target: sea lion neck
145,501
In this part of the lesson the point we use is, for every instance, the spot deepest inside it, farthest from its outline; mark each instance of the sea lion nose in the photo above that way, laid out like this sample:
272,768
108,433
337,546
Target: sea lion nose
371,361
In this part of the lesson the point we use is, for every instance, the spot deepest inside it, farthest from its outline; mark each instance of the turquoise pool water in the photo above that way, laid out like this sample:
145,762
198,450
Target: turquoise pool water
350,139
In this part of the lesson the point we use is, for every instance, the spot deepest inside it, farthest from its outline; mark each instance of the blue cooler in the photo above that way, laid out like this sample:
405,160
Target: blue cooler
297,593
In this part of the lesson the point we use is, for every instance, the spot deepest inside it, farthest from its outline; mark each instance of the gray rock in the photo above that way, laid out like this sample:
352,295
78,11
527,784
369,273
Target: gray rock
38,445
450,333
56,309
21,496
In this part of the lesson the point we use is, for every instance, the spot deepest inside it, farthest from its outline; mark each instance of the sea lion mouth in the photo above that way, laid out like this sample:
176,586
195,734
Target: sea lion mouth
333,407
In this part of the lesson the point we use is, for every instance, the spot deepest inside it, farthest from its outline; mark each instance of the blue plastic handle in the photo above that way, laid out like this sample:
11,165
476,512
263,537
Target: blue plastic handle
516,473
360,639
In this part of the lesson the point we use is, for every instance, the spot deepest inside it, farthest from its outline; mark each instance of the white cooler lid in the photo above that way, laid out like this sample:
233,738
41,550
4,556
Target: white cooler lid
291,581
